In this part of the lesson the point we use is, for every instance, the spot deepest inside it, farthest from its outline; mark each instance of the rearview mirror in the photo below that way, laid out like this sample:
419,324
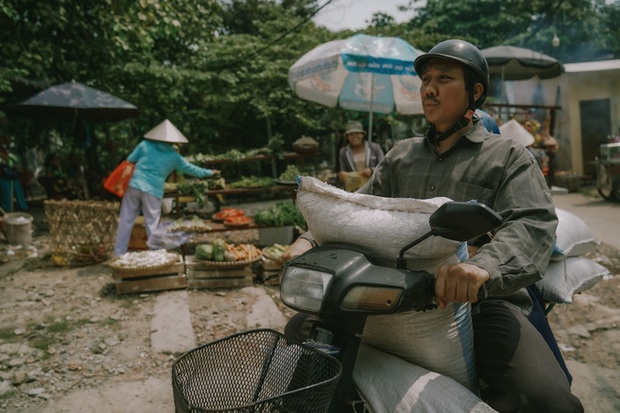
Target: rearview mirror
462,221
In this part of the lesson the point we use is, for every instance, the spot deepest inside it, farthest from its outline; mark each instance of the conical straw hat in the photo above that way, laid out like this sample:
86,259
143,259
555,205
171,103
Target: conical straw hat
166,132
513,130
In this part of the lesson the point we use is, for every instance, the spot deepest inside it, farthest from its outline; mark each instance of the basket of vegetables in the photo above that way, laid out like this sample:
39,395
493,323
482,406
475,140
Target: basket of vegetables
220,254
232,217
305,145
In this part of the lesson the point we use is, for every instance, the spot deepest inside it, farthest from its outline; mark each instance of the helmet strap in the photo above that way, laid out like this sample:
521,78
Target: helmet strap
435,137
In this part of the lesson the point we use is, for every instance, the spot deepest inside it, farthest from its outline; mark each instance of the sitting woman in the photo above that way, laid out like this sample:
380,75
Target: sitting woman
55,181
358,158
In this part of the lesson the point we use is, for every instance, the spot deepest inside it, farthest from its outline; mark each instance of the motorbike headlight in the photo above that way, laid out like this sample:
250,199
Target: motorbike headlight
304,289
361,297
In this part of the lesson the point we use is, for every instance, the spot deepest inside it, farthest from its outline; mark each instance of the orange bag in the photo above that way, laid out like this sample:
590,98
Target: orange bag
118,180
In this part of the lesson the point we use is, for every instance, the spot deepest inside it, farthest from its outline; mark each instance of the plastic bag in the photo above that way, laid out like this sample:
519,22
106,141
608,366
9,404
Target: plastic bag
118,180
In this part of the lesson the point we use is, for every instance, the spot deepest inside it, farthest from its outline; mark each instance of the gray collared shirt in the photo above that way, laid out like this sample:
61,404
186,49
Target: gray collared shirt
493,170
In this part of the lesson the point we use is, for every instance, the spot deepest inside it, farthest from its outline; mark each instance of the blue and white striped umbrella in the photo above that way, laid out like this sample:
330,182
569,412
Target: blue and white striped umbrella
363,73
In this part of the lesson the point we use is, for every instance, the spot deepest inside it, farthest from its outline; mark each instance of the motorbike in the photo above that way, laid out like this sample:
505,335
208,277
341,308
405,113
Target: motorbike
342,286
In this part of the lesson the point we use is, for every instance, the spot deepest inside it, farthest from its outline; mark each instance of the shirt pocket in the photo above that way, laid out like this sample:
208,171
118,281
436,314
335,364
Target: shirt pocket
466,191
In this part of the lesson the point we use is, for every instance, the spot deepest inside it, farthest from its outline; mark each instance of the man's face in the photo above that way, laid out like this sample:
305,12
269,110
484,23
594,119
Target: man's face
443,92
355,138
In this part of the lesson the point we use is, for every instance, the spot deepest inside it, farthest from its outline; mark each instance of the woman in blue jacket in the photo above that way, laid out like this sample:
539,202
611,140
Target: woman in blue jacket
155,159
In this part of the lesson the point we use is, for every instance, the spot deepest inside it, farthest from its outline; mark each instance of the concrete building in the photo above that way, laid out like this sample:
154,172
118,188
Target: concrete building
583,105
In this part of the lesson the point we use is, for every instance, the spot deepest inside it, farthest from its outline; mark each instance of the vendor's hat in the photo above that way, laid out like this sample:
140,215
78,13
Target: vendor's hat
354,126
166,132
513,130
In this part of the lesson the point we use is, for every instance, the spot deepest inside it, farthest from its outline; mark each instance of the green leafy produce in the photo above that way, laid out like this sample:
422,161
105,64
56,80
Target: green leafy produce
204,252
194,188
290,174
252,182
280,214
219,248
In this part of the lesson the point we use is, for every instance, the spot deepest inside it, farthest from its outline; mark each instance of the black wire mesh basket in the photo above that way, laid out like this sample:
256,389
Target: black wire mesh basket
257,371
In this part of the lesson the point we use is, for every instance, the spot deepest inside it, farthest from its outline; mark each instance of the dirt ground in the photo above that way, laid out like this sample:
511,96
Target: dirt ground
64,329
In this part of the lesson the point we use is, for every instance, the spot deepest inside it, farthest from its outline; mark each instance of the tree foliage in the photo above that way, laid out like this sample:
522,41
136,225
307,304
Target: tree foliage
218,70
585,27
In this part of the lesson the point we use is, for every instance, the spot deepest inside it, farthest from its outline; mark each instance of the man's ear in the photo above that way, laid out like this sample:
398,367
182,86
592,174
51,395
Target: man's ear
478,90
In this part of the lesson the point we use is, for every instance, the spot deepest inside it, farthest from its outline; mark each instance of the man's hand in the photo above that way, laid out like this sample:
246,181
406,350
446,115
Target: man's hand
366,173
459,283
299,247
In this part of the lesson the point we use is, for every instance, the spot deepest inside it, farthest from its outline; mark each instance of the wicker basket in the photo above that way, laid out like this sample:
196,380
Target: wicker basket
81,232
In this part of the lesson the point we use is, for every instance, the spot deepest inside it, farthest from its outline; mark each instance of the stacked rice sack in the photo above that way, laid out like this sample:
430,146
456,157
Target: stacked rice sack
438,340
569,272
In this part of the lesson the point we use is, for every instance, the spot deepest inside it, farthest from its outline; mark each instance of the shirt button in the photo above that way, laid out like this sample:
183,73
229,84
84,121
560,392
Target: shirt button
440,159
432,187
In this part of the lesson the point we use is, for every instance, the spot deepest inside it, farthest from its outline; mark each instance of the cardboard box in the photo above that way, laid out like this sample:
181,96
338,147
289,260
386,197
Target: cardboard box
137,241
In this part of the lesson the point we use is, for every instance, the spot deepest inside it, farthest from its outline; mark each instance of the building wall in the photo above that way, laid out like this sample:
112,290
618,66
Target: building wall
567,91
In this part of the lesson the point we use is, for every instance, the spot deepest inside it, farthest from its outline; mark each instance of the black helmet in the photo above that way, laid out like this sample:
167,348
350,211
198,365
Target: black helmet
463,52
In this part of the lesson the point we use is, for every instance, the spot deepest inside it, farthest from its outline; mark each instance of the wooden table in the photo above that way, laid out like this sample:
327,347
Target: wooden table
213,193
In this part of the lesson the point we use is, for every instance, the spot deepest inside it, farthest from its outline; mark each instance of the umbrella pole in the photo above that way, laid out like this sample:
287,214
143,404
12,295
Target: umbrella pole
372,98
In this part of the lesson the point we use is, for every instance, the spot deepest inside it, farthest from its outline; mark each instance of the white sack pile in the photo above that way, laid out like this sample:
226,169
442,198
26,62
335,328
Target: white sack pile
570,273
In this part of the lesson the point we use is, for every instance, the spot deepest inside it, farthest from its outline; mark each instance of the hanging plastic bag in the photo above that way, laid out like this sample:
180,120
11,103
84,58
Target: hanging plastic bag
118,180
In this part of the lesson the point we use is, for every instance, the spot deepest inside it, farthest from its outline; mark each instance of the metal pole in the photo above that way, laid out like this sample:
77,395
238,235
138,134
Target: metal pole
372,98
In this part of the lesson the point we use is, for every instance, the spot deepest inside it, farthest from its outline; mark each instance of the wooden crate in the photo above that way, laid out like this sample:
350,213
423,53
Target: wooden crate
154,283
201,275
171,277
268,277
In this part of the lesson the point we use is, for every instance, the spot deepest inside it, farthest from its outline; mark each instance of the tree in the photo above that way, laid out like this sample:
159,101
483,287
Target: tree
580,24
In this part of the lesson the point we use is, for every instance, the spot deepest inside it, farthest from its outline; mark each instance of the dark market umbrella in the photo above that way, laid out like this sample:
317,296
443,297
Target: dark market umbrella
75,101
518,63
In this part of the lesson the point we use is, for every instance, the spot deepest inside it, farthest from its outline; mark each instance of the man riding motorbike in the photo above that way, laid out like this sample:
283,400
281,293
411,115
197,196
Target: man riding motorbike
457,158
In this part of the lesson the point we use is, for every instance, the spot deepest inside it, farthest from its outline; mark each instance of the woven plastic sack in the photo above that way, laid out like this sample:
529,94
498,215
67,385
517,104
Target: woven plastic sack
563,279
573,237
377,225
389,384
438,340
441,341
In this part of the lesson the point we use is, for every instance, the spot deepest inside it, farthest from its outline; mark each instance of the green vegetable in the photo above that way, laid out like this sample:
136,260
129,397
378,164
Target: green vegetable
252,182
204,252
280,214
219,248
290,174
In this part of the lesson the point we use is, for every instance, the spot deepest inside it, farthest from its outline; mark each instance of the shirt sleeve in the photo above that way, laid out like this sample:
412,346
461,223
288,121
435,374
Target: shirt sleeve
135,155
519,252
190,169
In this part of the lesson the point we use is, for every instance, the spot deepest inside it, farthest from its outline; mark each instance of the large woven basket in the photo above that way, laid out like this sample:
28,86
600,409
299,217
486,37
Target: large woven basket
81,232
